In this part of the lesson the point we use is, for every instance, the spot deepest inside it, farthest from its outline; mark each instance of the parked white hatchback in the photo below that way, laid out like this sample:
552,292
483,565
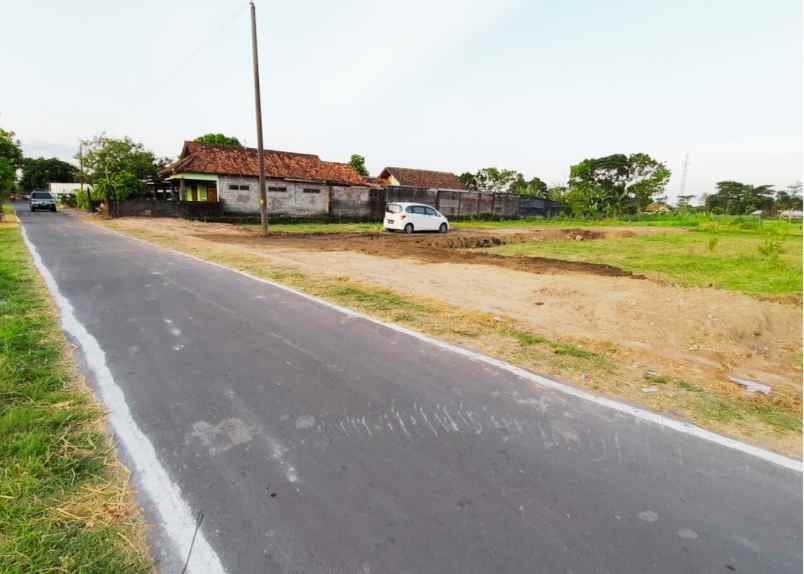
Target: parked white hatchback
410,217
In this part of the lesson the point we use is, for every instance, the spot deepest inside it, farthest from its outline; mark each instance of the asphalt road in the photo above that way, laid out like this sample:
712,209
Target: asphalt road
314,441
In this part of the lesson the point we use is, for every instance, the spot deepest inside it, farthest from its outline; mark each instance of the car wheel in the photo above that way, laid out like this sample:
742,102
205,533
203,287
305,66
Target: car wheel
409,228
443,228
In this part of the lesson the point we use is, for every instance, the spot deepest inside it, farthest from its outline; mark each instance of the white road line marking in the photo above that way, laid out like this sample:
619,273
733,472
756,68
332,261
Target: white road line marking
177,518
636,412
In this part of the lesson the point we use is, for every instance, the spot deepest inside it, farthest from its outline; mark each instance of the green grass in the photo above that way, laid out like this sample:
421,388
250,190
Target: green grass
51,450
371,299
676,219
760,261
528,339
715,408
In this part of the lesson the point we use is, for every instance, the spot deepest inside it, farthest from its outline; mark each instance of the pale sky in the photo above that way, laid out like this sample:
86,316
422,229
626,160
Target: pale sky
434,84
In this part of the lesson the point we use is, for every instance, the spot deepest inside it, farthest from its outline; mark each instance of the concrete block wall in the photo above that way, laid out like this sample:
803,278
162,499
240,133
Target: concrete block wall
350,202
288,198
343,202
412,194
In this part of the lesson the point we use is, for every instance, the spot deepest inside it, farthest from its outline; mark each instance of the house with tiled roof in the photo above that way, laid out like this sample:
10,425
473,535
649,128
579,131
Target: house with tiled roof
296,183
421,178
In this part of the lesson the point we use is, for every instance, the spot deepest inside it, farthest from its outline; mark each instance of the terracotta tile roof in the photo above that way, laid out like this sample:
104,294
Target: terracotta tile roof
423,178
231,160
377,181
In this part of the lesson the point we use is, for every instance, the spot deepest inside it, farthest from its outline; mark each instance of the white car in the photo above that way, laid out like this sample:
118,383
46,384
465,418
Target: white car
410,217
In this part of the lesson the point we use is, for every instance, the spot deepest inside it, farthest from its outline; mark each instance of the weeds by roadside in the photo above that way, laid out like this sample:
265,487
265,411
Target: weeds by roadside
64,501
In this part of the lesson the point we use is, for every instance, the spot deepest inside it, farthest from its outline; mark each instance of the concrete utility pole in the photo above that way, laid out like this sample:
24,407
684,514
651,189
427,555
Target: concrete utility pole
260,158
81,169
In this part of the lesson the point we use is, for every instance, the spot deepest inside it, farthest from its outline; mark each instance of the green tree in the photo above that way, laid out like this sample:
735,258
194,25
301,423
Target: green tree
615,184
358,162
113,165
37,173
737,198
494,180
685,202
10,160
789,198
533,187
468,180
218,139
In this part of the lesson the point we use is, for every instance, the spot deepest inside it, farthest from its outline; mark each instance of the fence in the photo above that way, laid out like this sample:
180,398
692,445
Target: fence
530,206
354,203
458,203
158,208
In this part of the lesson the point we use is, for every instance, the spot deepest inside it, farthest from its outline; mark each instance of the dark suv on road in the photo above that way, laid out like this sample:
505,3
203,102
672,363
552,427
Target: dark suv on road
42,200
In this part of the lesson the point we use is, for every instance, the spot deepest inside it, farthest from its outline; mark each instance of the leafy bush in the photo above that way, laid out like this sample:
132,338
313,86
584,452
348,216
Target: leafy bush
771,248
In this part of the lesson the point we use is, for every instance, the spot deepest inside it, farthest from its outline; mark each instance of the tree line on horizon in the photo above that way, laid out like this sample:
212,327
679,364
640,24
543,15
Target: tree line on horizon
618,184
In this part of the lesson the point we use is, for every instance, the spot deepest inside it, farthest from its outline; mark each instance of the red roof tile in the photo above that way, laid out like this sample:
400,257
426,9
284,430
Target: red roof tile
233,160
423,178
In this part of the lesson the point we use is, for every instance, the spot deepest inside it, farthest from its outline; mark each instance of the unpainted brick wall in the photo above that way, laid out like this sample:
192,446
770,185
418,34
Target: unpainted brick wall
350,202
298,198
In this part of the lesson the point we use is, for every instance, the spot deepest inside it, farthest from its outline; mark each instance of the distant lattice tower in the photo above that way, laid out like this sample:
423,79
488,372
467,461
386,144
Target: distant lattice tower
684,174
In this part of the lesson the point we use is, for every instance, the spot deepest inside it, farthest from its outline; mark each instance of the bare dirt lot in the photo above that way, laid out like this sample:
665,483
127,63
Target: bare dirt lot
695,338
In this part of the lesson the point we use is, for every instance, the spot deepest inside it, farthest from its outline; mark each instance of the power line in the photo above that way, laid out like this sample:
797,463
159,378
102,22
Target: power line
216,26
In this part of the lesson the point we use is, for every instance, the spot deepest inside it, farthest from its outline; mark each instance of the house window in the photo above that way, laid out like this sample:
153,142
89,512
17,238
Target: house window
278,189
311,190
202,193
234,186
245,187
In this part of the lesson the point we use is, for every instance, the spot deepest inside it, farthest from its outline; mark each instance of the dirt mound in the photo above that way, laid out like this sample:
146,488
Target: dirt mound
548,265
433,248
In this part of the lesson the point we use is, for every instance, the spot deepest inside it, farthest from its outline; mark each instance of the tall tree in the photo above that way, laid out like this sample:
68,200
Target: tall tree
358,162
468,180
37,173
119,168
736,198
494,180
616,184
533,187
789,198
218,139
10,159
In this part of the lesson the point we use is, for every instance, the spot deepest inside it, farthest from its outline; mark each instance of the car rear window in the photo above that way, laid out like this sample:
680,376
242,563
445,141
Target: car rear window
41,195
393,208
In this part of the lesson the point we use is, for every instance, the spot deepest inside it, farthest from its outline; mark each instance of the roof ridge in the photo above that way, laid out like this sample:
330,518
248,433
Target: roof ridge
242,148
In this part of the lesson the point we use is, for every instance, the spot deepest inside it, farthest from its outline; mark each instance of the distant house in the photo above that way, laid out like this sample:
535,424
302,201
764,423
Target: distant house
58,190
296,183
792,214
422,178
658,207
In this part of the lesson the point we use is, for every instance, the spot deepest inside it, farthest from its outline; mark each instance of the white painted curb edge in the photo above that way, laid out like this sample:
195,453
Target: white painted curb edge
174,512
679,426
